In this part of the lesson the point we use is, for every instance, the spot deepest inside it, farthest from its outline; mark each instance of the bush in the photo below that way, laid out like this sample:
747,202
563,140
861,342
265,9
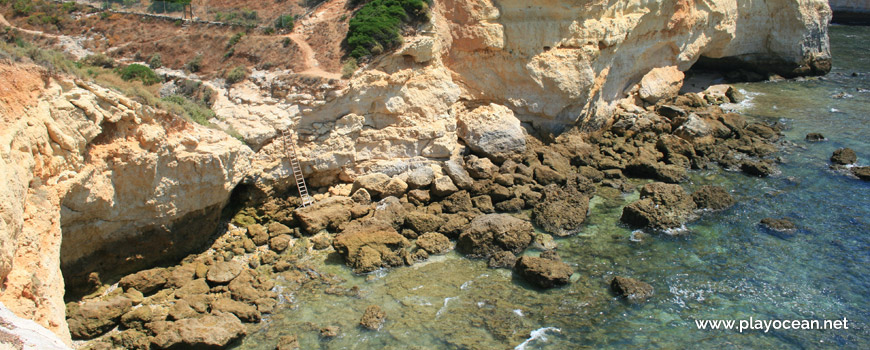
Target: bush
195,64
375,27
348,68
155,61
235,39
182,106
138,71
99,60
285,22
236,75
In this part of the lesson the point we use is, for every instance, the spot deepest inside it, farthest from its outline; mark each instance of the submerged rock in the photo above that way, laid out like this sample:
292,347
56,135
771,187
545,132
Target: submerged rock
373,318
502,259
329,332
491,233
780,225
661,206
757,168
844,156
631,289
815,137
862,172
288,342
544,273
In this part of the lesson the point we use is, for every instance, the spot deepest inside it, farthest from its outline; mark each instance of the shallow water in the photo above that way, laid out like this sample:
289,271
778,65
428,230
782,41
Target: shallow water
724,267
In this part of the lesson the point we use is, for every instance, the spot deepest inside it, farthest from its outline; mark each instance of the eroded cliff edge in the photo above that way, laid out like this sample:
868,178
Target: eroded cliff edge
129,186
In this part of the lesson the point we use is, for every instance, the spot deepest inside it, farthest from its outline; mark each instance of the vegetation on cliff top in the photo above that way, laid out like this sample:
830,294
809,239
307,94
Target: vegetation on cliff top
374,28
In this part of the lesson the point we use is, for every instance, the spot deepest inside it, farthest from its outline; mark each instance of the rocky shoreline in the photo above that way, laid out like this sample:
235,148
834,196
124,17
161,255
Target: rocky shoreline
486,205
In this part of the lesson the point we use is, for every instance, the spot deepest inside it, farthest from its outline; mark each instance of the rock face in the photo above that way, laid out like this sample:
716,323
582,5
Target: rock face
492,233
544,273
661,206
26,333
124,186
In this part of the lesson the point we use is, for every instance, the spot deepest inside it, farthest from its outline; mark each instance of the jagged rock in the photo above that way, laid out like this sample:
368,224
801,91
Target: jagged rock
443,187
546,175
276,229
844,156
329,214
223,272
502,259
454,226
434,243
422,222
369,246
480,168
483,203
394,188
457,203
815,137
131,339
181,310
145,281
244,312
209,331
492,131
762,131
195,287
757,168
373,318
280,243
712,197
645,168
661,206
258,234
543,273
94,318
138,317
421,177
781,225
361,196
391,211
419,197
374,183
491,233
862,172
631,289
671,112
512,205
457,173
693,128
562,217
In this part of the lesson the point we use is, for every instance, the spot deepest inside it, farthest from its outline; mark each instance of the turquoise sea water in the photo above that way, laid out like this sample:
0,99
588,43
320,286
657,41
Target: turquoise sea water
724,267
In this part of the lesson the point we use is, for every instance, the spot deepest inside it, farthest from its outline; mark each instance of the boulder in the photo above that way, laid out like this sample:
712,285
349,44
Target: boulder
780,225
180,310
492,131
138,317
421,177
815,137
288,342
244,312
329,214
480,168
145,281
374,183
195,287
434,243
693,128
712,197
512,205
661,206
631,289
258,234
757,168
491,233
562,217
544,273
329,332
862,172
216,330
443,187
457,203
545,175
394,188
276,229
280,243
223,272
454,169
650,169
661,83
361,196
96,317
420,197
455,225
422,222
368,246
844,156
483,203
373,318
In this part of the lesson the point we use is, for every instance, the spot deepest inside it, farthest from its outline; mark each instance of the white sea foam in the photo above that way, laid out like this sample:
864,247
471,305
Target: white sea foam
748,102
538,334
519,312
465,285
834,110
446,301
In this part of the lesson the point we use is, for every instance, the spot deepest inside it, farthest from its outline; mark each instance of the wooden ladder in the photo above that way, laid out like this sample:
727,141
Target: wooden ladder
291,155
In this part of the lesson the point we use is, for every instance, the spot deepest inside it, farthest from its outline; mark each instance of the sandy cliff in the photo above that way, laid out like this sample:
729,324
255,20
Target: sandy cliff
128,185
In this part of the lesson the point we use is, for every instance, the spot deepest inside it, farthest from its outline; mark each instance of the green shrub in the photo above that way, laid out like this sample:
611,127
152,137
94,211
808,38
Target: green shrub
183,106
99,60
375,27
22,7
269,30
138,71
285,22
348,68
285,42
195,64
235,39
236,75
155,61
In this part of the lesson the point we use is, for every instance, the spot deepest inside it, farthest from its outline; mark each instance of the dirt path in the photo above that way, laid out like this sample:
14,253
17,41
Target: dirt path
3,21
311,64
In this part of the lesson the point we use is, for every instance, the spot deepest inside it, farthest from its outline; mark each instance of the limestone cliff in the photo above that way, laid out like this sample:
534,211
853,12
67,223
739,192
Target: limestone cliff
122,185
551,63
